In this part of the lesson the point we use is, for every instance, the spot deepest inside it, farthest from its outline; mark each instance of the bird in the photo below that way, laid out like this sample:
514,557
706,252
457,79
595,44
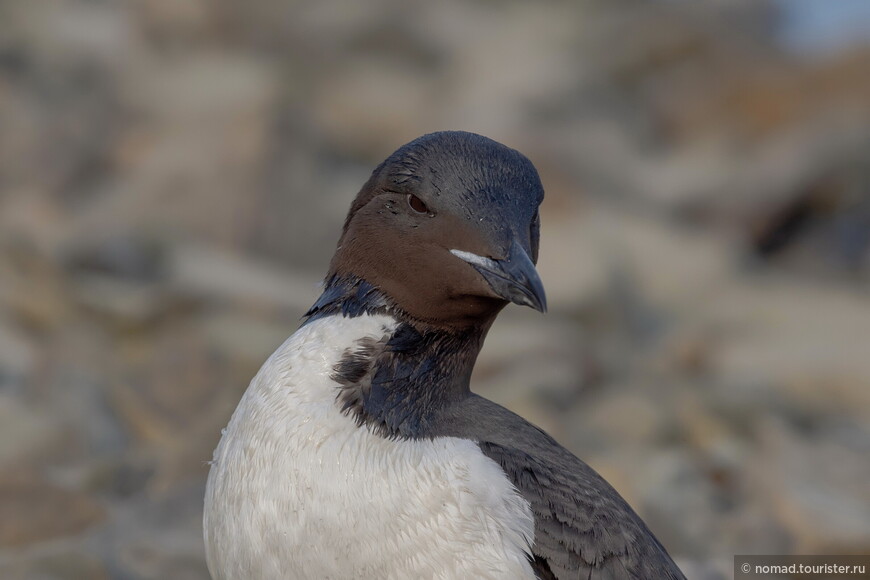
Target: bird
359,449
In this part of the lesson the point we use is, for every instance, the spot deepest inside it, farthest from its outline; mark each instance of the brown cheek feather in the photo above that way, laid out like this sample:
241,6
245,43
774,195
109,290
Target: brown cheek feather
401,261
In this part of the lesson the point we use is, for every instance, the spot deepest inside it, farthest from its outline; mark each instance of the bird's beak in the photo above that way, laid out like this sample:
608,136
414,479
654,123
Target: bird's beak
514,278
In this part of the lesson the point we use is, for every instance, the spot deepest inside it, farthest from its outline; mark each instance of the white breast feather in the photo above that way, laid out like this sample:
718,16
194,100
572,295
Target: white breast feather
297,490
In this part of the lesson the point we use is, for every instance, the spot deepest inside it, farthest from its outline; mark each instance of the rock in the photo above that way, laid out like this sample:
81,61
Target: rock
679,502
173,394
245,337
774,332
504,374
79,362
121,477
33,511
571,278
18,356
60,565
629,415
207,274
32,221
26,434
33,289
159,536
711,569
148,393
175,23
176,567
125,303
817,489
373,106
125,257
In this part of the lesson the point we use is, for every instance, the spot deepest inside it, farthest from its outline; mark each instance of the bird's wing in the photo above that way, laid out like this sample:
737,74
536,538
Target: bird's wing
583,527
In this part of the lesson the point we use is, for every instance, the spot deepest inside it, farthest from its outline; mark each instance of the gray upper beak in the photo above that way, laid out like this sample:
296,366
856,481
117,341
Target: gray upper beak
514,278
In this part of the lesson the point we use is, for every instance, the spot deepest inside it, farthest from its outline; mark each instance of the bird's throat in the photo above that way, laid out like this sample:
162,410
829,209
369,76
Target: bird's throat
399,383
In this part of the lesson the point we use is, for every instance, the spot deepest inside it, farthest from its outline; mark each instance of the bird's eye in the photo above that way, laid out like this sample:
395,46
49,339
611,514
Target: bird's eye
417,204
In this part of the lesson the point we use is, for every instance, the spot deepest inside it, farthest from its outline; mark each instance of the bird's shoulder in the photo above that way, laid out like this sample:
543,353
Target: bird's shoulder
583,527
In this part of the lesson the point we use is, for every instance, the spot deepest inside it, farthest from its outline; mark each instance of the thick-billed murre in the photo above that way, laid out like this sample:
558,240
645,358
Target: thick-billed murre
358,450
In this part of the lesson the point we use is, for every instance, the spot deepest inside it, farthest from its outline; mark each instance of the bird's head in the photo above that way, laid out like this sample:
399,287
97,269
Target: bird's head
447,228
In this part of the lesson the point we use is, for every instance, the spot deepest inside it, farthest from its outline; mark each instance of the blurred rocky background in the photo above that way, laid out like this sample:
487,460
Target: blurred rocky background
174,175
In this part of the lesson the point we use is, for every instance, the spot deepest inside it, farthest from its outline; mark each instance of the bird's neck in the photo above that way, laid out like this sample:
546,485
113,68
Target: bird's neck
398,383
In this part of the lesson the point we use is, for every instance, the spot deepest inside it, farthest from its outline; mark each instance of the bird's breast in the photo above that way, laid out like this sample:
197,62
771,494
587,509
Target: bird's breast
298,489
